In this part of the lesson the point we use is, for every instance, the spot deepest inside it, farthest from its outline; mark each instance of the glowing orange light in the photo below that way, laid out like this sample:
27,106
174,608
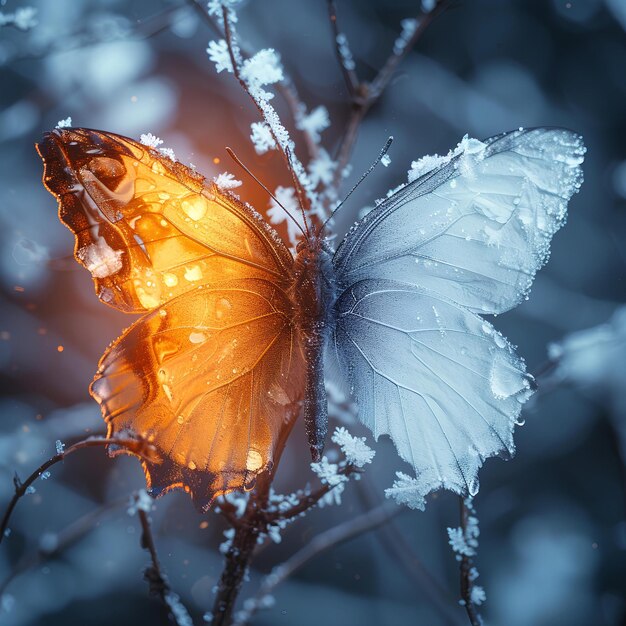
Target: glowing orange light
60,348
210,280
216,160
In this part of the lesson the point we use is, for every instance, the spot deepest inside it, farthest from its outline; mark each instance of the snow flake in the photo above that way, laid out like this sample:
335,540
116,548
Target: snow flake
469,150
219,54
150,140
328,472
226,181
276,214
322,168
408,491
314,122
262,137
264,68
477,595
59,446
23,18
168,152
66,123
140,501
386,160
355,449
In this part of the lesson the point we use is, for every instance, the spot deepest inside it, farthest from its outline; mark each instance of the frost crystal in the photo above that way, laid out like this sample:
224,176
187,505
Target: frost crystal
229,534
218,53
356,451
322,168
178,610
409,27
471,149
408,491
328,475
215,8
226,181
276,214
150,140
344,52
314,122
262,137
140,501
66,123
327,472
168,152
59,446
100,259
263,68
24,18
477,595
386,160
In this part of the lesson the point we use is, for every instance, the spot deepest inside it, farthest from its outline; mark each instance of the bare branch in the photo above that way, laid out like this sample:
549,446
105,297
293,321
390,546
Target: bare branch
293,165
309,500
156,578
342,50
136,446
367,94
466,569
319,544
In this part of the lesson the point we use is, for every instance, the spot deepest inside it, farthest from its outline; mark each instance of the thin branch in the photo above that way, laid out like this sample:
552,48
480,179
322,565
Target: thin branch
321,543
288,157
286,87
137,446
309,500
341,48
466,568
156,578
367,94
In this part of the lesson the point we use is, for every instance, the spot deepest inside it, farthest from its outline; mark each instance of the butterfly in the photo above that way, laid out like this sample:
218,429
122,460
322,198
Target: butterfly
237,332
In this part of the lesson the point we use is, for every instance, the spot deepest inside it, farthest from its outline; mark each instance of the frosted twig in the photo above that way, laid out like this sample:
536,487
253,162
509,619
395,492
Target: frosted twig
286,87
468,572
309,500
156,578
364,95
324,541
293,165
342,50
137,446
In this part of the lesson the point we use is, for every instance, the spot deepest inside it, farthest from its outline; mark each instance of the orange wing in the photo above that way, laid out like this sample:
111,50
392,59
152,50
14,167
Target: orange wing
147,228
213,375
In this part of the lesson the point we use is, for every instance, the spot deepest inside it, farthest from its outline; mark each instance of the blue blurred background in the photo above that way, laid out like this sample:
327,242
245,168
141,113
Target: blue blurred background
553,530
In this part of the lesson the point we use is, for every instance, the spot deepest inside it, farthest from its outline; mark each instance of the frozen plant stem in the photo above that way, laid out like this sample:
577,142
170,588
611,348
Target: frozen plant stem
363,94
248,528
466,569
239,554
21,487
156,578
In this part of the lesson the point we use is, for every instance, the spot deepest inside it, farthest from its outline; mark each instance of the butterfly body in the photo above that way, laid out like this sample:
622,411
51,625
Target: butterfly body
314,293
237,334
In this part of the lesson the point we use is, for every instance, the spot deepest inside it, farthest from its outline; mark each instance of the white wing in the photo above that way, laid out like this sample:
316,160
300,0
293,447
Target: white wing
476,229
440,380
465,238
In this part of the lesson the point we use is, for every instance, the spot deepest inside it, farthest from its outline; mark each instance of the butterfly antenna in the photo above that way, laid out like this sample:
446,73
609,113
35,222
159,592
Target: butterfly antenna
379,158
298,188
238,161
